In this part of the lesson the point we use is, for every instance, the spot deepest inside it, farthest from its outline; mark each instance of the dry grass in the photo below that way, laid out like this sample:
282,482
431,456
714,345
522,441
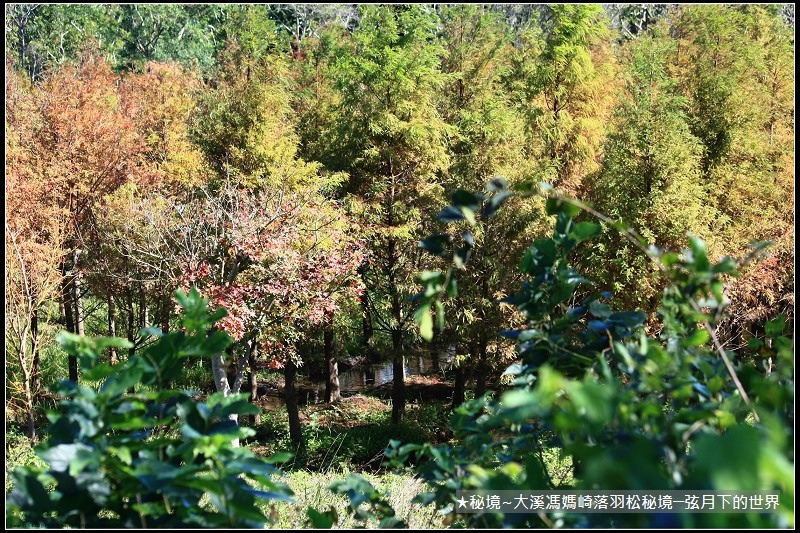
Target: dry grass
311,490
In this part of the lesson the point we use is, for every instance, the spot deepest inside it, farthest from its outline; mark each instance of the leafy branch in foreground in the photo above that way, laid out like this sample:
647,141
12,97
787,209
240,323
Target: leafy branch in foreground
149,458
367,504
632,412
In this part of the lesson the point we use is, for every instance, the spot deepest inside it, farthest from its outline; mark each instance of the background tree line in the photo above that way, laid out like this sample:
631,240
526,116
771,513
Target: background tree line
288,159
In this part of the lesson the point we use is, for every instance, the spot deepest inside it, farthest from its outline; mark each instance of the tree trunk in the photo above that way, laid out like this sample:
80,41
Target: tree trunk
165,315
482,369
131,320
29,406
460,385
36,375
253,380
290,395
165,330
435,366
113,357
367,331
26,376
220,374
398,378
332,391
240,369
79,318
69,324
144,319
398,362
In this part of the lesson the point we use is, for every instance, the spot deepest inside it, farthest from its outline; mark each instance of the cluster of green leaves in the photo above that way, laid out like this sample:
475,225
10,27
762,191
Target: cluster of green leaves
674,410
152,457
367,505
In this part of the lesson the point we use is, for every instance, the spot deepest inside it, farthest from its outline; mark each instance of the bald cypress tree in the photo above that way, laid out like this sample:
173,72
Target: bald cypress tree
651,175
489,142
389,137
564,73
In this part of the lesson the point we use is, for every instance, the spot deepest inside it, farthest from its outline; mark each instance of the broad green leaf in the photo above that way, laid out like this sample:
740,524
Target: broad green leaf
450,214
425,321
725,266
699,252
775,327
470,200
322,520
584,230
599,309
669,259
731,460
697,337
526,188
429,276
435,244
493,204
554,206
468,213
461,256
630,319
280,457
62,455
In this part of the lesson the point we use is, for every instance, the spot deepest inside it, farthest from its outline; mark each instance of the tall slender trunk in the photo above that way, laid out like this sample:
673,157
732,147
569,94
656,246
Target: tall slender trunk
398,363
77,297
26,376
144,318
29,404
80,321
398,377
460,385
253,379
482,368
290,395
36,374
165,314
113,357
240,368
69,321
220,374
367,329
165,331
332,390
131,319
164,324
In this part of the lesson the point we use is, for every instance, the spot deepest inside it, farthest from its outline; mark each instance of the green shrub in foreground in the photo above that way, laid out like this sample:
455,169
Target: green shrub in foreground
149,458
634,411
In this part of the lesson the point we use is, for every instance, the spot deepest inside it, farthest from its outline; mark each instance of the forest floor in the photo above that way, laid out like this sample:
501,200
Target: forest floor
353,432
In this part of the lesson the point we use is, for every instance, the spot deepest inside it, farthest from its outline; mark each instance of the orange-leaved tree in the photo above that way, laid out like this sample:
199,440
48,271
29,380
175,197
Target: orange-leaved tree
85,148
34,230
